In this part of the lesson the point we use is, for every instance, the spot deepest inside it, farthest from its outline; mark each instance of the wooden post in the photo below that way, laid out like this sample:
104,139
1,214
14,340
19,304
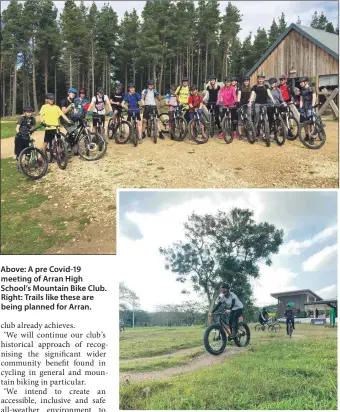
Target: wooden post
329,101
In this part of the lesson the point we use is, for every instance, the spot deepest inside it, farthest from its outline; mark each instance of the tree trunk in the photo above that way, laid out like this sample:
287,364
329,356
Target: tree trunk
192,62
149,71
71,77
34,86
206,61
126,81
15,77
92,65
24,102
226,61
134,70
198,67
161,75
170,77
154,74
46,73
55,79
187,62
176,75
3,91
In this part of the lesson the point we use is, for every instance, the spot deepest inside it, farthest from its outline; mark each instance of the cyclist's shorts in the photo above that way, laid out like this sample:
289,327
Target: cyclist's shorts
118,108
49,136
147,111
96,120
130,116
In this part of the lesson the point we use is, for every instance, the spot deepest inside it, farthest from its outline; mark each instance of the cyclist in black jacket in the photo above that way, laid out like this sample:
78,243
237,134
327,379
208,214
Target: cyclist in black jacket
289,315
213,90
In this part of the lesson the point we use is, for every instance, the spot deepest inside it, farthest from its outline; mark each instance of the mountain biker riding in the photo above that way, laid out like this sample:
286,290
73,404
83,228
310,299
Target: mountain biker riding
289,315
100,104
236,306
149,97
263,316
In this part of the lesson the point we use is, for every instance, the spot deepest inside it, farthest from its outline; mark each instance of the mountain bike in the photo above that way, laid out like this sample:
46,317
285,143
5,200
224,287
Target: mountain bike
57,148
227,125
135,138
290,327
119,129
90,146
198,128
262,128
317,137
99,127
152,122
217,335
278,126
211,120
32,161
272,327
249,128
291,123
178,126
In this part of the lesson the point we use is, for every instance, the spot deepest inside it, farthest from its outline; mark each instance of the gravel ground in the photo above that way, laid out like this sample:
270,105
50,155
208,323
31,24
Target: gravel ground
91,186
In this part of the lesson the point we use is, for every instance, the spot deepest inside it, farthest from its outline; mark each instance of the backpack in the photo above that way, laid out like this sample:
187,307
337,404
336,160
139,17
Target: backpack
100,105
79,109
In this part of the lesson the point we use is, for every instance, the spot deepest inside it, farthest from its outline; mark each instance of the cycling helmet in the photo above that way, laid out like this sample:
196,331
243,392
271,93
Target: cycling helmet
283,77
49,96
234,79
272,80
72,90
303,79
149,82
193,87
100,90
227,79
131,85
28,109
185,79
173,87
261,76
119,86
246,78
225,286
212,77
82,90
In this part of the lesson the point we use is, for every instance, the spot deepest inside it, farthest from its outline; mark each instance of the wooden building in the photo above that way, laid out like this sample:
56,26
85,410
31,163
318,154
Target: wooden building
301,51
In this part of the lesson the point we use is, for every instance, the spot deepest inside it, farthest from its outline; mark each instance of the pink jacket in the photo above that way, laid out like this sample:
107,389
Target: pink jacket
227,97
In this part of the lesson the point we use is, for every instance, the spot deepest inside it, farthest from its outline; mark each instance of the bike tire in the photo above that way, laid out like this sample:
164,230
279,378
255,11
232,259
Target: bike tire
266,132
250,131
280,132
87,140
194,125
258,327
290,330
227,130
319,130
293,121
62,154
207,346
110,129
181,125
154,130
247,331
211,125
119,135
134,136
27,152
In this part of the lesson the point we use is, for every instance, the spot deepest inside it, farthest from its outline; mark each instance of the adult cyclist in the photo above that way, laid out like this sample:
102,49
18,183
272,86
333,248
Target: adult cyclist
289,315
183,93
149,97
67,106
213,89
235,306
100,105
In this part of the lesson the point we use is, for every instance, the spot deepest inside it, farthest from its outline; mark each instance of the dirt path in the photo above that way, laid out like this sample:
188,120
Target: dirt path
187,351
197,363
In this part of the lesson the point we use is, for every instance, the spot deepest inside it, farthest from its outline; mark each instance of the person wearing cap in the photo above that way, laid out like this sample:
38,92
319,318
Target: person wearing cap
260,94
116,100
132,98
289,314
183,93
50,114
278,99
243,96
213,90
149,97
24,124
227,98
307,101
235,310
100,104
67,104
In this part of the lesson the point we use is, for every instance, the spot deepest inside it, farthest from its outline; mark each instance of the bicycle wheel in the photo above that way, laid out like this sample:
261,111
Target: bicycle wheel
290,330
33,163
89,145
258,327
198,131
264,131
123,132
164,122
293,127
227,130
215,339
250,131
280,132
316,139
154,129
148,128
62,154
111,128
242,337
211,124
134,136
179,129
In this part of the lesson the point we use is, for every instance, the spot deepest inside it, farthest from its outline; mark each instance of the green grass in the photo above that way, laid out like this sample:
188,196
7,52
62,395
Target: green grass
22,226
275,373
7,130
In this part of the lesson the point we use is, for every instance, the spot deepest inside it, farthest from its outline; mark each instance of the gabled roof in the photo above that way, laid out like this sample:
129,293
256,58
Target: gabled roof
327,41
295,292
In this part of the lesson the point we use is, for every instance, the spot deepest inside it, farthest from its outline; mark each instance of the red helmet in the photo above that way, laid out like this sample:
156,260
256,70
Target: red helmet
82,90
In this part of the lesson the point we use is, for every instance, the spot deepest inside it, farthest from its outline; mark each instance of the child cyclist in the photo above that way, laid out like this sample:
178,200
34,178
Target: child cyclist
227,98
50,114
149,97
289,315
172,101
195,102
24,124
132,98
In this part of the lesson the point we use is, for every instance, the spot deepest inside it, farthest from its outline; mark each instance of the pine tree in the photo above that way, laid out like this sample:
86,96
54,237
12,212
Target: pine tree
330,28
260,45
273,33
282,24
247,53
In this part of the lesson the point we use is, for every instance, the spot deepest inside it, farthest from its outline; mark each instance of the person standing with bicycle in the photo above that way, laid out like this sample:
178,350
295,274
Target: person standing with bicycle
22,139
263,316
227,98
100,105
235,307
50,114
149,97
307,101
289,315
213,90
132,98
243,96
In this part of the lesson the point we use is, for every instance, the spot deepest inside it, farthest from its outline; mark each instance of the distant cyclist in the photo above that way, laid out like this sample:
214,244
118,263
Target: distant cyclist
263,316
289,315
235,306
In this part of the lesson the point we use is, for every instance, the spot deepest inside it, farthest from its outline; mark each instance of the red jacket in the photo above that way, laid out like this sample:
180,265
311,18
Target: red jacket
285,91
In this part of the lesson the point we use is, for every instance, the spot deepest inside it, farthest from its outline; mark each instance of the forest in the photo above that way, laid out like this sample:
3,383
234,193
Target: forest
43,49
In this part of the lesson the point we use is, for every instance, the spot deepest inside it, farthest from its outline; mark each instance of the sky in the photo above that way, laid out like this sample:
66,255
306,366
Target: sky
255,13
152,219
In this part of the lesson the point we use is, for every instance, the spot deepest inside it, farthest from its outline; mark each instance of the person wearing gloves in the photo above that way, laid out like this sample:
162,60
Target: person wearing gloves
227,98
100,104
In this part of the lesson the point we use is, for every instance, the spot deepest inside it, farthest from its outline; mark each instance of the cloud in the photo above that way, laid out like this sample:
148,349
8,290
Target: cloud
321,259
328,292
272,280
294,247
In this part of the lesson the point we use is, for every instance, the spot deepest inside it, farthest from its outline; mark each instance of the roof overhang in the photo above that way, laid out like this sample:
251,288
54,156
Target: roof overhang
330,302
294,293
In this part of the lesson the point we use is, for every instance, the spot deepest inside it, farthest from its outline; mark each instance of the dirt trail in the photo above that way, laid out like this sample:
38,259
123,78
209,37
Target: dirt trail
202,361
187,351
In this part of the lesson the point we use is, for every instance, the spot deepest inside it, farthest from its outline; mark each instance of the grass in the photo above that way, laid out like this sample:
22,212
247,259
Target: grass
275,373
23,227
7,130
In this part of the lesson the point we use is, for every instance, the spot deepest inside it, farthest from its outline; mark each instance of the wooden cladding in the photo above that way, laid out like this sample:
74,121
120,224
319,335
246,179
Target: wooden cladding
297,51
